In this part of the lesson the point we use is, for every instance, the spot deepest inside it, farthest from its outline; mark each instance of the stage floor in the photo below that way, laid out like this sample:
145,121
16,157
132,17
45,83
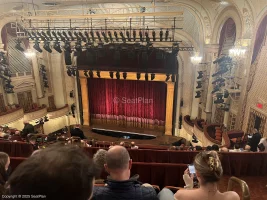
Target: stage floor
160,139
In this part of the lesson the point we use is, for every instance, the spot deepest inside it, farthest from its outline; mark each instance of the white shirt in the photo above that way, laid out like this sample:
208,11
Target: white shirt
264,142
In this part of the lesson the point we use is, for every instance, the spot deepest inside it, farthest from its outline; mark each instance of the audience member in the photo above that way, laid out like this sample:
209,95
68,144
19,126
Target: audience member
28,128
224,149
236,148
215,147
133,146
122,144
57,172
33,142
99,159
254,141
263,145
208,148
16,136
198,148
4,166
77,132
111,145
247,148
119,184
208,172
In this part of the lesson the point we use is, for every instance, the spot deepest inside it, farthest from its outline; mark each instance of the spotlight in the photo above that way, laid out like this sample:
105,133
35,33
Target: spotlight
141,36
142,9
98,35
36,46
124,74
78,46
147,37
199,85
226,94
76,35
69,72
49,35
85,73
111,75
116,36
29,34
138,75
118,75
34,35
161,35
166,35
41,36
110,36
200,75
154,35
122,37
65,35
43,33
57,47
73,72
198,94
87,36
55,35
67,47
105,37
128,35
18,46
61,36
134,34
98,74
146,76
92,35
81,35
71,36
167,77
47,46
152,77
91,74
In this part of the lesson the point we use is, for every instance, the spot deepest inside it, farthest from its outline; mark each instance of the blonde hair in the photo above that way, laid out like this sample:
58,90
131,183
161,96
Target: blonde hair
208,165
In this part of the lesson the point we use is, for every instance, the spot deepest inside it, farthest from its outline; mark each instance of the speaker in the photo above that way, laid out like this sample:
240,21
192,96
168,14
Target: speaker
68,58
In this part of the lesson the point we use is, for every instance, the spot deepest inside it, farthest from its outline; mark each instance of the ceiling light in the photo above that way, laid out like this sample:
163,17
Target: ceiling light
29,53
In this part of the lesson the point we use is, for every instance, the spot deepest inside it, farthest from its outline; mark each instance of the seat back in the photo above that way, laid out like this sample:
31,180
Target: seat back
244,187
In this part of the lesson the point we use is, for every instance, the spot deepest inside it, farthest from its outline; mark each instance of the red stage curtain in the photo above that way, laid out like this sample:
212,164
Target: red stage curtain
130,101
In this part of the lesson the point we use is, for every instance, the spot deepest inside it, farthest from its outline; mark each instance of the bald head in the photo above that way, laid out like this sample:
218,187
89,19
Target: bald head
117,158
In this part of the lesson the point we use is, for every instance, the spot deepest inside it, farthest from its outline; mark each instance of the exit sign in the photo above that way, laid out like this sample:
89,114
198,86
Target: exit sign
259,105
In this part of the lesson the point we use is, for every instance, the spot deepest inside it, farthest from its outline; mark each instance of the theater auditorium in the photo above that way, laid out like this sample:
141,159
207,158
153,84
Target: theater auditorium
134,99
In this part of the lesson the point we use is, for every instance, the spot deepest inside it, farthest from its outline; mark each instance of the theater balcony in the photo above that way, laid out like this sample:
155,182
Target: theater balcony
35,113
59,112
11,115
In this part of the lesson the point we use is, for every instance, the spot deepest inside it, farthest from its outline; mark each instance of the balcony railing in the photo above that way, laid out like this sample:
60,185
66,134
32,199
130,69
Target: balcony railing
59,112
11,115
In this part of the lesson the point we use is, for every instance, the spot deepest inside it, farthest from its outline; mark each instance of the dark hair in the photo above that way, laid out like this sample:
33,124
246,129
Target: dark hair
209,148
237,146
198,148
62,173
208,165
3,162
117,158
261,147
215,147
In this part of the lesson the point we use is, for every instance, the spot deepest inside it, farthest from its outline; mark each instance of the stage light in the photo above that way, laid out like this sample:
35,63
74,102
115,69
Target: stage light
173,78
34,35
105,37
78,46
110,36
36,46
18,46
118,75
124,74
111,75
167,77
138,75
92,35
128,35
81,35
98,35
134,34
65,35
199,84
87,36
57,47
146,76
61,36
98,74
71,36
41,36
141,36
152,77
49,35
116,36
69,72
73,72
85,73
76,35
198,94
67,47
29,34
122,37
200,75
55,35
91,74
161,35
142,9
154,35
166,35
147,37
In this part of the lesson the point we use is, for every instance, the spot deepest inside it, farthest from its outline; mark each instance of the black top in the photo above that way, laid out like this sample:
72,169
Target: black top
76,132
28,128
254,141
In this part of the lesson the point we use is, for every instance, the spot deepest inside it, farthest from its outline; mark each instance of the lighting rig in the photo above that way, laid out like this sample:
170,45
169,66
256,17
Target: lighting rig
5,73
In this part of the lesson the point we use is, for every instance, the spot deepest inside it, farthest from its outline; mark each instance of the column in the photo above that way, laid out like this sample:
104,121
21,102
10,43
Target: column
179,98
58,79
226,118
36,73
85,101
77,101
195,101
169,108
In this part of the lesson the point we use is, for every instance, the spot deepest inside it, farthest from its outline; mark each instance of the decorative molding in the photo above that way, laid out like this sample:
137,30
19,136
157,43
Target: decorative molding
59,112
12,116
35,114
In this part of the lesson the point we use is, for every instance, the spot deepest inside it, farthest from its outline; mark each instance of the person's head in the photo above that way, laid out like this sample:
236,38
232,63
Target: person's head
255,131
247,147
122,143
17,132
25,122
4,164
32,140
237,146
208,167
118,163
6,137
132,144
77,126
99,159
58,172
215,147
224,149
261,147
198,148
208,148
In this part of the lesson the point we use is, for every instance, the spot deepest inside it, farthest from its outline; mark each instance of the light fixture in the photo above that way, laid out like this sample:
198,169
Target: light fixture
147,37
92,35
81,36
98,74
36,46
67,47
122,37
55,35
200,75
98,35
237,52
138,75
87,36
196,59
167,77
105,37
65,35
57,47
110,36
142,9
91,74
198,95
111,75
47,46
29,53
71,36
118,75
61,36
69,72
116,36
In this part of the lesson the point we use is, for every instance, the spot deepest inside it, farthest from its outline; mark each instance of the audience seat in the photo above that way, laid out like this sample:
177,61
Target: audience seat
16,149
243,185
